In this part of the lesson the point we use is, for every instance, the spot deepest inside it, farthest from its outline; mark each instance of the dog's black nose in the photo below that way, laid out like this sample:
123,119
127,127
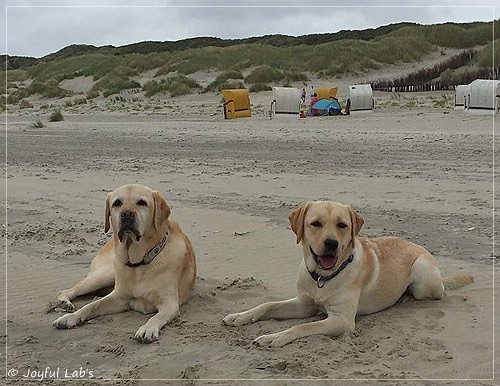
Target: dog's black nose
127,215
127,218
331,244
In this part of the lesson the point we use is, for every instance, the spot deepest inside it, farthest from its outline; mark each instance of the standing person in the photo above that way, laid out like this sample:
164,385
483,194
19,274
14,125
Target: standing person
348,107
304,93
313,101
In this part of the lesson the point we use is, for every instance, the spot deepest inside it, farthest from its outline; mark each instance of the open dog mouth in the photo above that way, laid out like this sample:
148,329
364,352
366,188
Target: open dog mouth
324,261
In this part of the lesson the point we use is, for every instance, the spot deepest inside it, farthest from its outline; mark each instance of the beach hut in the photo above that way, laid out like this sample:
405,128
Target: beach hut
361,96
460,96
236,103
326,92
483,95
286,100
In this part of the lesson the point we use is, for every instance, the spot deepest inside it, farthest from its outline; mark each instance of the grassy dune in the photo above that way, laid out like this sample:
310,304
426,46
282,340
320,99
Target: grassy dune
268,60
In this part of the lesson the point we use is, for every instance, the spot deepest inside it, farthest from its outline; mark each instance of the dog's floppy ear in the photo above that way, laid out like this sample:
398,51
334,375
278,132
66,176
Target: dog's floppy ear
296,219
357,222
161,210
107,214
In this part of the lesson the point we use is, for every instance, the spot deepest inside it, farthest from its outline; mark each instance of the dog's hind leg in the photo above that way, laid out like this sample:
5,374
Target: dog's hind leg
425,279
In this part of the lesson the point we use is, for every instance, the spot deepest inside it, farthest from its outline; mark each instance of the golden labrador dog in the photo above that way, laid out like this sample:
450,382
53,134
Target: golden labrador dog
343,275
149,260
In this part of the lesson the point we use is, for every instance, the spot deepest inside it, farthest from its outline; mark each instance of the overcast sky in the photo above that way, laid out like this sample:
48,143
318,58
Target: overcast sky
39,27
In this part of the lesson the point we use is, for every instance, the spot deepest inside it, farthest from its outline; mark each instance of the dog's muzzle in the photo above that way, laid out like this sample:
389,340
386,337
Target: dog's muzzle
328,258
128,226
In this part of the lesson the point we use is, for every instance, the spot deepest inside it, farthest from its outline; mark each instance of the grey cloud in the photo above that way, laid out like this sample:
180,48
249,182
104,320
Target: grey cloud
37,31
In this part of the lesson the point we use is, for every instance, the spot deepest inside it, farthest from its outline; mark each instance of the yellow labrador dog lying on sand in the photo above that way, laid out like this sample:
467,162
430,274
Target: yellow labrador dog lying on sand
344,275
149,260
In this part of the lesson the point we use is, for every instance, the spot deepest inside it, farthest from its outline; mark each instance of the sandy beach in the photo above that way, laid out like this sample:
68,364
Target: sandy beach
425,174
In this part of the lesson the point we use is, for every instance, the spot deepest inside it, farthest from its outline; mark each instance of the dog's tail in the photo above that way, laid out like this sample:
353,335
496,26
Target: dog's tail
457,280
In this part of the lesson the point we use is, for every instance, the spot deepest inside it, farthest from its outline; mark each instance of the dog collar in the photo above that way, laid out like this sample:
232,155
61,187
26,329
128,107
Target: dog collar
321,280
150,256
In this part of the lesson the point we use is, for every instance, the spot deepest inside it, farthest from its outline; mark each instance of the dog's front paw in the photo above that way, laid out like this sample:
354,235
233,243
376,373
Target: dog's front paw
67,321
64,302
239,319
272,340
146,334
66,305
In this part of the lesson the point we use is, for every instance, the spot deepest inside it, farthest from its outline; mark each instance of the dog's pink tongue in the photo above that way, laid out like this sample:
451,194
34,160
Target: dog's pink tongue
328,261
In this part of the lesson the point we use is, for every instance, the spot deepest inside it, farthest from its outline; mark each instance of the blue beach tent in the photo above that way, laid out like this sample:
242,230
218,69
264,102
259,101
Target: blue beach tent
327,107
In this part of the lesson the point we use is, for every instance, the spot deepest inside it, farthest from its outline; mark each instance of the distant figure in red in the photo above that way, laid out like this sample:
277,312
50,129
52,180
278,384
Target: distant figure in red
313,101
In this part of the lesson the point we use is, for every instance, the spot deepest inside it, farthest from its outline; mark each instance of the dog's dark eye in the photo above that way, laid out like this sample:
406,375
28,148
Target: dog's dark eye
142,203
117,203
316,224
342,225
